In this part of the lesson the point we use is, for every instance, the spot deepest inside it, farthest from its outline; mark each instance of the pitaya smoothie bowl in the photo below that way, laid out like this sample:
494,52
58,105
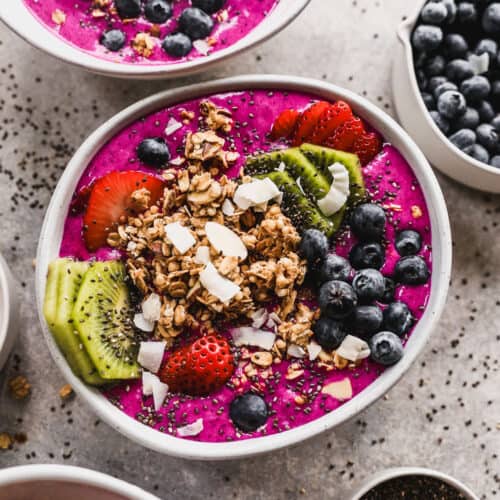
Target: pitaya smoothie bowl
237,265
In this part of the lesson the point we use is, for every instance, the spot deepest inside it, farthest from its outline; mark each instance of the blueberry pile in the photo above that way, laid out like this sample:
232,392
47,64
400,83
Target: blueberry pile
194,23
457,61
354,297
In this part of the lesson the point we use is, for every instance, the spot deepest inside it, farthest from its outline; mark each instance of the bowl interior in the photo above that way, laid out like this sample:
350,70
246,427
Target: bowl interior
441,241
4,303
18,17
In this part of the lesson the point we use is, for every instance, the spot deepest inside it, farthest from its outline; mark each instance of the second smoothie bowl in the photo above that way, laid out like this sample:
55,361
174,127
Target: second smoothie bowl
234,267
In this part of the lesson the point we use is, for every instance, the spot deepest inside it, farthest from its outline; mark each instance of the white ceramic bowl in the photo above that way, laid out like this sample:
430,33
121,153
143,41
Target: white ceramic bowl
61,482
17,16
417,121
8,311
441,242
387,474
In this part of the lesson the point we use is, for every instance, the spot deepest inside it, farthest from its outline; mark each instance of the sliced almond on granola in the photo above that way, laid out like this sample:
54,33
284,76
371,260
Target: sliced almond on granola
225,240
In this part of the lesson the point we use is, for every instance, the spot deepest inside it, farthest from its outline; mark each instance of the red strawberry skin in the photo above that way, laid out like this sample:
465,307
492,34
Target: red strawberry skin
110,199
285,124
344,136
334,116
199,368
367,146
307,121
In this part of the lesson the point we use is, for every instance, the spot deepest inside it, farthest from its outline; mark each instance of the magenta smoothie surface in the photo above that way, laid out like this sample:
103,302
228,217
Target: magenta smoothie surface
389,181
84,30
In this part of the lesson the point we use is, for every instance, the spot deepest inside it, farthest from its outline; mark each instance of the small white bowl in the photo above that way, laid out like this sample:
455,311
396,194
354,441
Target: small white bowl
417,121
60,482
388,474
9,303
51,234
16,15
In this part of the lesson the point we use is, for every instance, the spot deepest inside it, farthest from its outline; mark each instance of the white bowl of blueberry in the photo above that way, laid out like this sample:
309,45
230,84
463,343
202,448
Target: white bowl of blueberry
147,38
446,83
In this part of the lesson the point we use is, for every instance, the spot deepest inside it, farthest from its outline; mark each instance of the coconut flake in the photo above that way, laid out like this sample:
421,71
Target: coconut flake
202,47
275,318
151,308
255,193
177,161
150,355
259,317
142,323
299,183
337,196
172,126
160,391
353,349
228,208
247,335
202,255
314,349
225,240
179,236
341,390
480,64
217,285
191,429
295,351
147,383
281,167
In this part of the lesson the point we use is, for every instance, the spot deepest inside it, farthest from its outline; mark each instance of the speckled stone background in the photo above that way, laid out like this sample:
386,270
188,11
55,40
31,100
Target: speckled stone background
444,414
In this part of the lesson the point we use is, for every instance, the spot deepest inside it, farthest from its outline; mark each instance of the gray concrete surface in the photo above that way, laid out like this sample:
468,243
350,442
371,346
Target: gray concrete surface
444,414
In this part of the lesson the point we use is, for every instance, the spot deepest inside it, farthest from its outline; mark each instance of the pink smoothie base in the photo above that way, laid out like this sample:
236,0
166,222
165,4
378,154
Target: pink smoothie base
83,31
389,180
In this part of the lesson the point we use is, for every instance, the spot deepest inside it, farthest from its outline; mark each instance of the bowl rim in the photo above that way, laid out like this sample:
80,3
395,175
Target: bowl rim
6,306
72,474
404,35
394,472
441,235
12,14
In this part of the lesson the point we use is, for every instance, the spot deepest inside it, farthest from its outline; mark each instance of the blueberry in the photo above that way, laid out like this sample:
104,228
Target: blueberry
365,321
441,122
488,137
154,152
476,88
488,46
427,38
491,19
128,9
441,89
177,45
435,82
389,290
411,270
329,333
467,13
368,222
470,119
369,285
408,242
495,88
429,101
113,39
479,153
463,139
434,13
496,122
157,11
495,161
421,79
367,255
486,111
459,69
451,8
195,23
209,6
248,412
451,104
398,318
334,267
435,66
455,45
337,299
313,246
386,348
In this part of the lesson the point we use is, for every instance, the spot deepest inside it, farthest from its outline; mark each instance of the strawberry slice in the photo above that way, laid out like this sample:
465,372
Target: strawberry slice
344,136
199,368
110,199
367,146
284,125
307,121
334,116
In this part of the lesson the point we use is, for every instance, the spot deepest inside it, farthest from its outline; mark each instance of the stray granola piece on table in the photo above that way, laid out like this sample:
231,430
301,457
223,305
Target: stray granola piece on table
6,441
19,387
66,392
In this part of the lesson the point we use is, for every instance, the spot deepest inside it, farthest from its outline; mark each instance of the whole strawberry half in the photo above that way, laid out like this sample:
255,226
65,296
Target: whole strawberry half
110,199
199,368
285,124
307,121
367,146
334,116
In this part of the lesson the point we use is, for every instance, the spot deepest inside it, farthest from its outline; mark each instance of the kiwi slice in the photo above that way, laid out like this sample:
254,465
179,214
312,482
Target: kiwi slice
301,210
324,157
103,318
63,282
